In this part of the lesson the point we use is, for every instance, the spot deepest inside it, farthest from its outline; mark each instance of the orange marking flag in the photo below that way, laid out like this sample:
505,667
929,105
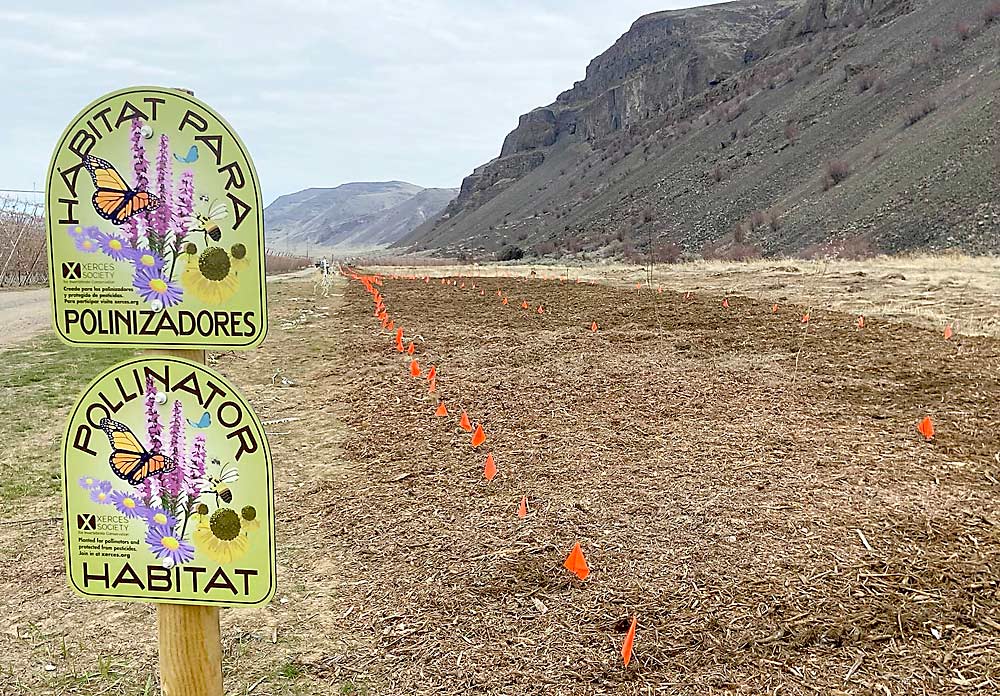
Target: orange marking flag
490,467
540,310
433,372
399,340
593,327
629,640
442,410
948,332
576,563
725,303
505,300
805,318
861,321
926,428
478,437
433,387
410,349
464,423
524,304
522,509
414,368
774,308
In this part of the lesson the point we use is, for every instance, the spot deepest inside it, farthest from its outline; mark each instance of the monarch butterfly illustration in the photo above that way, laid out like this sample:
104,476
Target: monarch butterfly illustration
115,200
129,459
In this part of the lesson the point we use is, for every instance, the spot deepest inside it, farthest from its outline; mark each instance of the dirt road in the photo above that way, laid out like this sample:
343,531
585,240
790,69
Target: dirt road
23,313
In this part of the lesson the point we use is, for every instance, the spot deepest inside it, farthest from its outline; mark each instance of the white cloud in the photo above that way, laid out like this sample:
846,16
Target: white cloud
323,92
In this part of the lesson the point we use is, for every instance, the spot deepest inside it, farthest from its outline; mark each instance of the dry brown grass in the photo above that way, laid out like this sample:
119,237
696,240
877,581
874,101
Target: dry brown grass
926,290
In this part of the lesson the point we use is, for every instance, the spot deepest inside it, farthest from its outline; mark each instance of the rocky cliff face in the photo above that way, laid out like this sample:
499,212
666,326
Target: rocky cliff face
815,16
700,125
663,59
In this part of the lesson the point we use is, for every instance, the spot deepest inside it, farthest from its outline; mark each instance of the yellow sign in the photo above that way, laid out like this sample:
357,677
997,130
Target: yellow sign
155,227
167,485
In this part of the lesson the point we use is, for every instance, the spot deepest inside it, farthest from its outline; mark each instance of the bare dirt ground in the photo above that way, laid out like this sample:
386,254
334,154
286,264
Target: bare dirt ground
23,313
926,290
752,488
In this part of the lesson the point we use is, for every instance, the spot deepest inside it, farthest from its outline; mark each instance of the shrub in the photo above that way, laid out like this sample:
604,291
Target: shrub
647,215
716,173
866,81
920,110
850,248
937,44
835,172
964,31
991,13
731,251
791,132
667,252
510,253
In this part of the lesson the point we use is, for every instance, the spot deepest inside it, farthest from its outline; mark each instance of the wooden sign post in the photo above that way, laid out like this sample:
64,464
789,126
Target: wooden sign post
189,637
155,238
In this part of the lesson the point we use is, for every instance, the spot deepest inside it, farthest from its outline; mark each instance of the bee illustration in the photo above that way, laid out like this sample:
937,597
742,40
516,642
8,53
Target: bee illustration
219,485
207,220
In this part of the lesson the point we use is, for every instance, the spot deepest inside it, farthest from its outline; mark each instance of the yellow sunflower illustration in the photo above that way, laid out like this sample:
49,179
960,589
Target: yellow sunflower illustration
249,519
209,276
222,538
238,258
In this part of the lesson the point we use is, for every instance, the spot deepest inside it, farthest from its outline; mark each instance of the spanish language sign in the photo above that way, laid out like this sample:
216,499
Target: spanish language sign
155,226
167,485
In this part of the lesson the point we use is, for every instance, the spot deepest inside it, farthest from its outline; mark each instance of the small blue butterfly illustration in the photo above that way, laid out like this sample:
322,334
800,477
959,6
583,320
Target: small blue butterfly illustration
203,422
190,157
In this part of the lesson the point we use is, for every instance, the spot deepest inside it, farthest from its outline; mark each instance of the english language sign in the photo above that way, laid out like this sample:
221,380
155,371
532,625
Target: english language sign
167,486
155,227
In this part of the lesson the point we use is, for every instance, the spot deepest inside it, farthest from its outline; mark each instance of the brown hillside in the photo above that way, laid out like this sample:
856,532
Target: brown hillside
846,125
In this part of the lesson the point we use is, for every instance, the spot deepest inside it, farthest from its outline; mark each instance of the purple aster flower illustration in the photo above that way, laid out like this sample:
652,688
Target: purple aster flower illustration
170,549
159,517
145,258
100,496
127,504
88,482
116,247
152,285
87,244
76,231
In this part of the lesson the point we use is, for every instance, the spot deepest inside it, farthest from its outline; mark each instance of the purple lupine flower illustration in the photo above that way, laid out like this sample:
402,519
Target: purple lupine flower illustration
175,449
194,478
162,217
184,209
138,223
153,427
168,548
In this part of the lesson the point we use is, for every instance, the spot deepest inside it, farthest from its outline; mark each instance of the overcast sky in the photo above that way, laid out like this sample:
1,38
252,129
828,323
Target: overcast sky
322,92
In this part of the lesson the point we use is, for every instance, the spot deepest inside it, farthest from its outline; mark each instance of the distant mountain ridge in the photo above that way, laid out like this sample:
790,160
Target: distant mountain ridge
357,215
